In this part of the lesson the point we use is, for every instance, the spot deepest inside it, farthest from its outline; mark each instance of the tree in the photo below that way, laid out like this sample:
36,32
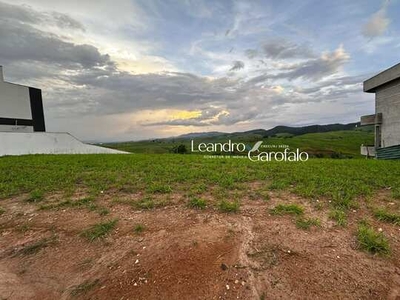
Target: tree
181,149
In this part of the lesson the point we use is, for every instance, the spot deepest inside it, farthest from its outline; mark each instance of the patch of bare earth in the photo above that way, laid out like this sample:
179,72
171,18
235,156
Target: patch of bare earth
184,253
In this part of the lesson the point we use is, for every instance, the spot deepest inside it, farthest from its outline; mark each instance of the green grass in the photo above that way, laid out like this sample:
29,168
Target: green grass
372,241
159,189
139,228
147,203
396,193
306,224
99,231
197,203
383,214
289,209
35,196
339,216
341,181
229,206
87,202
84,287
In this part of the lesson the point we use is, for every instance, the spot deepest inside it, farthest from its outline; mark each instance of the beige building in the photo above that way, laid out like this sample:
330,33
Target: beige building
386,86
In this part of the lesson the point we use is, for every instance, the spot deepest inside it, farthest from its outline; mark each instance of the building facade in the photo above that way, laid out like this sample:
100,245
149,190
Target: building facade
386,120
22,127
21,108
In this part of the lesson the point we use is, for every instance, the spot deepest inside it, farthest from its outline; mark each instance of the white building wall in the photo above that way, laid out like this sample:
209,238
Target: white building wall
14,101
388,103
12,143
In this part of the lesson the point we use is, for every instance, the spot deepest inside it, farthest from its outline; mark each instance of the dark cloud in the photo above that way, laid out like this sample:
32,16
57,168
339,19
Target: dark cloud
278,48
237,65
314,69
26,14
234,117
21,42
251,53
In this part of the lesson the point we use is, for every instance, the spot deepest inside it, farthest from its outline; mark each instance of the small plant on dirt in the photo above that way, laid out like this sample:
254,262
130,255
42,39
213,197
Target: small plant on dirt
396,193
198,188
229,206
339,216
279,185
99,231
87,202
103,211
86,263
383,215
23,228
35,196
303,223
318,205
37,246
139,228
372,241
84,287
265,196
290,209
2,210
259,195
148,203
197,203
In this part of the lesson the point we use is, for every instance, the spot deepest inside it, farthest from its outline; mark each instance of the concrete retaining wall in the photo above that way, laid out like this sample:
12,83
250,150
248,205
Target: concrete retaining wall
20,143
388,103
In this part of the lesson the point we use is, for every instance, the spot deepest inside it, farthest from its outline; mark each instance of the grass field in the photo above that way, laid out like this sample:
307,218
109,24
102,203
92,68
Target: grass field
134,225
339,180
344,142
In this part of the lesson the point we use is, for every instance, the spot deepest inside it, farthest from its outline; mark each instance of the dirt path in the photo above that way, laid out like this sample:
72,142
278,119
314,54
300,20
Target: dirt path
189,254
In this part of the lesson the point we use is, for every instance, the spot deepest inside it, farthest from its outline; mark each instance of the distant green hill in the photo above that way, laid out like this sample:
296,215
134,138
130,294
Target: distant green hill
278,130
303,130
323,141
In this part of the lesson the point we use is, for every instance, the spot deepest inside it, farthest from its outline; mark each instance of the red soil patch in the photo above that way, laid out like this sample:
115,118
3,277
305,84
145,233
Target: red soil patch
189,254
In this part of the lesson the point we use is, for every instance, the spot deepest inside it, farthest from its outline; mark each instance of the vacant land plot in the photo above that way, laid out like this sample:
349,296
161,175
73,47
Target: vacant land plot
323,144
186,227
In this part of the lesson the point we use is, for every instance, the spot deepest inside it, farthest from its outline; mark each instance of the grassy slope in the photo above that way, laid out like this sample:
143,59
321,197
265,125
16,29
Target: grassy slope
346,142
193,174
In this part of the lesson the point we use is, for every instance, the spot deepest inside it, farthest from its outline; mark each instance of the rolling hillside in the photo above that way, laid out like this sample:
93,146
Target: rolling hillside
318,140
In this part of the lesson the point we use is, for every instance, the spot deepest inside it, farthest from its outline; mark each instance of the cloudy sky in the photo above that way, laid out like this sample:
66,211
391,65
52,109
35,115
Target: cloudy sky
128,70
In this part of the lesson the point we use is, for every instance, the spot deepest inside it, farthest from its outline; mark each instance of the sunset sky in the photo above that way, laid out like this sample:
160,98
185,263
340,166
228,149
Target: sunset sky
129,70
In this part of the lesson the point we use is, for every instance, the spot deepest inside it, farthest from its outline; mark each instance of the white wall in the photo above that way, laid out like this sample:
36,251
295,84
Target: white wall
14,101
19,143
388,103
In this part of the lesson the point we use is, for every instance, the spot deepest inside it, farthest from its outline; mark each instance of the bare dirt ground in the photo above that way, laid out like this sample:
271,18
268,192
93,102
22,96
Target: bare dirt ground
184,253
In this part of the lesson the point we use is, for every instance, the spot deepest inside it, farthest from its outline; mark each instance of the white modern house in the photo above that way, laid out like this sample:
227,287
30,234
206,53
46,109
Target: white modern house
22,125
386,119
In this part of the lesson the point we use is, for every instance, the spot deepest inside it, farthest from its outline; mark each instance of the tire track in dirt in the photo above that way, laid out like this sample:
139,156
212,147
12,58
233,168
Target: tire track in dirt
246,227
